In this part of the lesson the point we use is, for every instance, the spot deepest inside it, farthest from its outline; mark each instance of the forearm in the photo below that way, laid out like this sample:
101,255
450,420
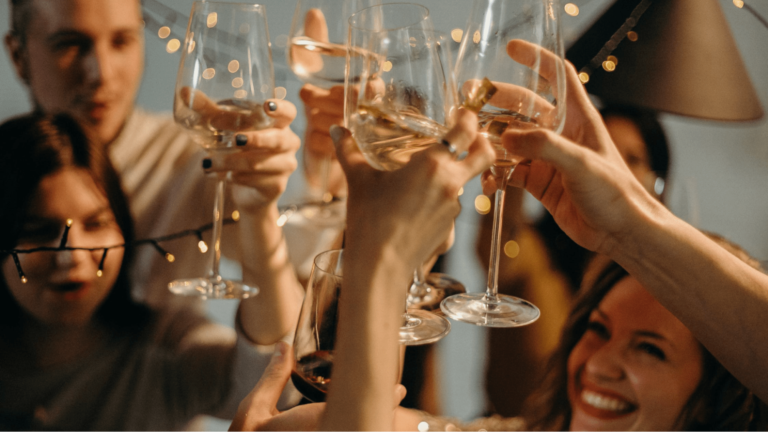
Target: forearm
273,313
721,299
367,350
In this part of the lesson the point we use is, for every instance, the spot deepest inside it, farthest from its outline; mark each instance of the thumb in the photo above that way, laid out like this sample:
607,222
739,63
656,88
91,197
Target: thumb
270,386
349,155
261,402
400,392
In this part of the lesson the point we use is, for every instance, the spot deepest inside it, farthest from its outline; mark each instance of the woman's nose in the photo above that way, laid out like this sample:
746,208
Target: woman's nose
606,362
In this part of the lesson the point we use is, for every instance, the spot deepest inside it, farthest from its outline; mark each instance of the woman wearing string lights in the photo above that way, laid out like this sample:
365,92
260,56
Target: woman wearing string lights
76,352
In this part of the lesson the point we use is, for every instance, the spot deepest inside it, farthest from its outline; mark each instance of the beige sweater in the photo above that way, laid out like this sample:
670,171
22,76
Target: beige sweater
180,366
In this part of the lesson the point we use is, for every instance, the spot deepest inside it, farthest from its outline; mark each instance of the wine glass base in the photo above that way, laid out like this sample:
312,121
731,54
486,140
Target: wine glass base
331,215
422,327
210,288
479,309
440,286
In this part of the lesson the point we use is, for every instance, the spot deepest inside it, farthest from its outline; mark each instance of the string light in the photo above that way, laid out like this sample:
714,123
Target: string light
584,77
571,9
285,214
456,34
201,243
18,268
168,256
100,271
64,236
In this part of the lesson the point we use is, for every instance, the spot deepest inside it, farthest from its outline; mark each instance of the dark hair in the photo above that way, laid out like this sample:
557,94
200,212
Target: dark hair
37,145
655,139
719,402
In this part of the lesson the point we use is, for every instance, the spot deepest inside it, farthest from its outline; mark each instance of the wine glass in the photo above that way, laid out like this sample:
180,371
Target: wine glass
400,99
316,330
531,94
317,55
225,76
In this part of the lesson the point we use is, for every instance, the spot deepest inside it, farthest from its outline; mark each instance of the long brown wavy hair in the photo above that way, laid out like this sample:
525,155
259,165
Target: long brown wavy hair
720,401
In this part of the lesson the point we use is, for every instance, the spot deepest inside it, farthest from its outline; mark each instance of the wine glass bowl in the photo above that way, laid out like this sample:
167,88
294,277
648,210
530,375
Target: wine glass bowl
403,97
225,77
315,336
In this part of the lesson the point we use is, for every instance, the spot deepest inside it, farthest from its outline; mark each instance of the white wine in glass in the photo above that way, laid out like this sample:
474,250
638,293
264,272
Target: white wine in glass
225,77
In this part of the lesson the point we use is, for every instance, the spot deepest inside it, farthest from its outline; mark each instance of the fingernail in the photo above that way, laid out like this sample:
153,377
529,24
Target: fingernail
241,140
272,106
207,163
336,133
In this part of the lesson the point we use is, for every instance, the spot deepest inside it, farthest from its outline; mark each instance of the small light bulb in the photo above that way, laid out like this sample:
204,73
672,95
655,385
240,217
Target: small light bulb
170,257
23,279
70,222
99,273
235,215
203,247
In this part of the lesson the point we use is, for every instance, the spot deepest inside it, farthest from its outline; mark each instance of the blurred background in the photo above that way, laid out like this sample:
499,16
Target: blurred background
718,180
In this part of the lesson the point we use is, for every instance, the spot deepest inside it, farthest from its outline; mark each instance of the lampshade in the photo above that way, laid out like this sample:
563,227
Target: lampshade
681,58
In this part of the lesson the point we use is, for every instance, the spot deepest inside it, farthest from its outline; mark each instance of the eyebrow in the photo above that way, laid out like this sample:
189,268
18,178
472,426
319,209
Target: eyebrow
72,33
44,219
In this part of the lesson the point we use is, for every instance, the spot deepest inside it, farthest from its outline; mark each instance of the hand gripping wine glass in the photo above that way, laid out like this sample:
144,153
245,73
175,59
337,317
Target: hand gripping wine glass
400,99
224,78
317,55
517,44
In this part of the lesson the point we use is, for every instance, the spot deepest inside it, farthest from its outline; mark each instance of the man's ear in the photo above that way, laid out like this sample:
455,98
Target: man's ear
18,56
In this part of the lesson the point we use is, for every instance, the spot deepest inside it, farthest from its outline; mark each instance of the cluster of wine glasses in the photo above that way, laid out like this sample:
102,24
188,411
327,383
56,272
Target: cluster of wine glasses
402,90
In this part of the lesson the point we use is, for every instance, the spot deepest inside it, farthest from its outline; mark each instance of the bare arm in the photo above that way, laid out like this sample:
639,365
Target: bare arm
581,179
260,170
389,233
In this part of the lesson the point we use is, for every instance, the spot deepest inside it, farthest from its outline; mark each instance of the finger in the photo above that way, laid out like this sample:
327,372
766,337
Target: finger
261,402
489,184
281,110
547,146
254,162
315,25
535,57
272,140
269,388
460,136
520,99
400,392
198,101
323,121
301,418
349,155
320,144
328,101
479,158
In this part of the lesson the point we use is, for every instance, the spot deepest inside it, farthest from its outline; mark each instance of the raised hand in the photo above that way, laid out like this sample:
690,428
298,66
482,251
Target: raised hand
266,157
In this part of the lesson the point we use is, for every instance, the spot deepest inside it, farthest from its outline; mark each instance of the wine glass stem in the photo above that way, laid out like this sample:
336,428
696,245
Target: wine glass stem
498,211
419,287
218,219
325,175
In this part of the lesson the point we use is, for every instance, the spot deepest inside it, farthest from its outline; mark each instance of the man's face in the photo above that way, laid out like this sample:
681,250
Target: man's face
85,58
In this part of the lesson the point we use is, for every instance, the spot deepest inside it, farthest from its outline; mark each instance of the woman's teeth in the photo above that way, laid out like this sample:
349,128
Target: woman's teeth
603,402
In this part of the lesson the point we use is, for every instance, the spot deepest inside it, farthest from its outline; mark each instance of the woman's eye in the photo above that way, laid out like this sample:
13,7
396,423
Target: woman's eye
598,328
40,234
653,350
99,223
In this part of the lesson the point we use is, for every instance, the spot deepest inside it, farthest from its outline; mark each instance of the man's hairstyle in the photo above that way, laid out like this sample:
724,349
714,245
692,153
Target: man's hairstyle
21,15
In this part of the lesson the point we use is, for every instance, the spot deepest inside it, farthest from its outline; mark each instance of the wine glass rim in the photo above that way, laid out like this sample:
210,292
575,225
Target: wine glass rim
252,6
424,16
322,266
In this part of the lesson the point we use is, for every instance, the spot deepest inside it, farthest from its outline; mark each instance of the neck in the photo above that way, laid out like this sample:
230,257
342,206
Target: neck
39,346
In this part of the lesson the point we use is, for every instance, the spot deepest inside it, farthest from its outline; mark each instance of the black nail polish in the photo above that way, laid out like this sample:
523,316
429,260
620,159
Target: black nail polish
207,163
272,106
241,140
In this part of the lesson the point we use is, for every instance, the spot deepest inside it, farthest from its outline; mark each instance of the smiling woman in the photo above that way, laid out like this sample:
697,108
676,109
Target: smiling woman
626,363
